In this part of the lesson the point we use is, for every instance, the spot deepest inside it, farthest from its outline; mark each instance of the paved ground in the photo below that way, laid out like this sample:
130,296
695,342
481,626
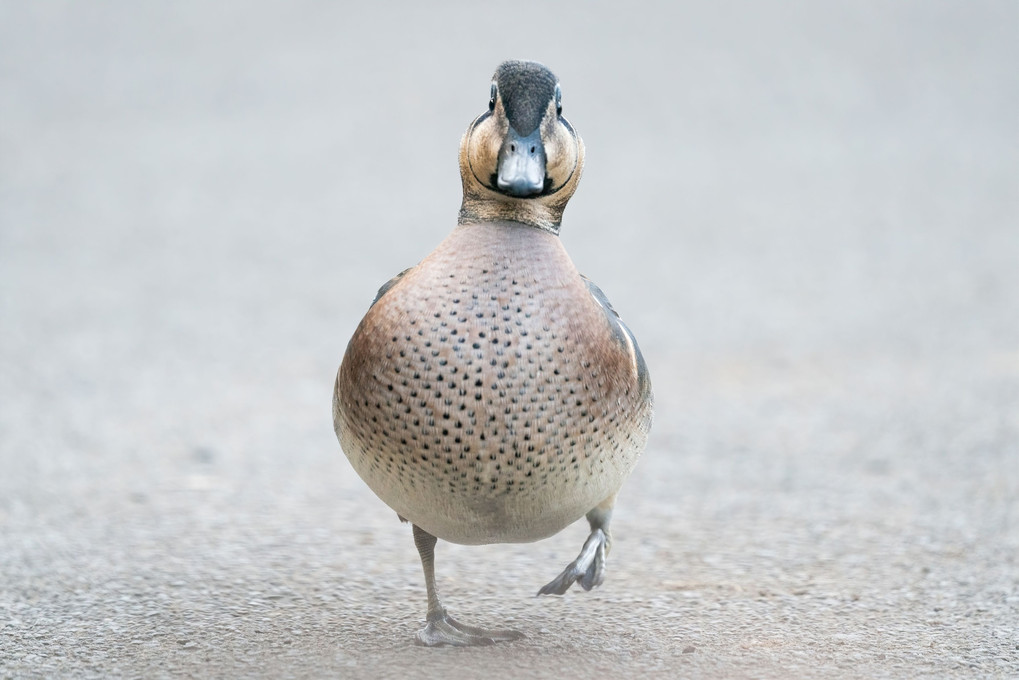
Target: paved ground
808,216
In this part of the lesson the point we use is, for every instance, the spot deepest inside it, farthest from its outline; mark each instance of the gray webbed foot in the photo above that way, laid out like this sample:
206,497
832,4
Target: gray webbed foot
443,629
588,568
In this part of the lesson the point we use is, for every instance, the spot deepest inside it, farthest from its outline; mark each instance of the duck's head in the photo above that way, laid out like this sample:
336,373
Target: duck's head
520,160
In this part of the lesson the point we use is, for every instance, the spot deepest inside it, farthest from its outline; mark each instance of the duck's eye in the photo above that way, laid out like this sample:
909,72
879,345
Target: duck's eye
558,100
491,99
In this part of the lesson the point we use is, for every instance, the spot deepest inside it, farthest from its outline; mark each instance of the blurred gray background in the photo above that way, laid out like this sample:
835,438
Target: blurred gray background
807,212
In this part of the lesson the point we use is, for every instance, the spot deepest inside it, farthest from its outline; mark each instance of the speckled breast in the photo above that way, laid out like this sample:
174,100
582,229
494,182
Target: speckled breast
485,397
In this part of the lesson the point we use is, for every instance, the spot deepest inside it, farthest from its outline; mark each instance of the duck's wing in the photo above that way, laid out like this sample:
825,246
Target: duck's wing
389,284
624,336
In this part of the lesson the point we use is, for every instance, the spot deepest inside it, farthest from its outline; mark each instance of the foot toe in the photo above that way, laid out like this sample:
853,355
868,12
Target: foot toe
446,630
595,574
588,568
561,583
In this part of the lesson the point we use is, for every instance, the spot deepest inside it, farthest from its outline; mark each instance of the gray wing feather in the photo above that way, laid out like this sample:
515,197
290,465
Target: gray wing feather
623,335
389,284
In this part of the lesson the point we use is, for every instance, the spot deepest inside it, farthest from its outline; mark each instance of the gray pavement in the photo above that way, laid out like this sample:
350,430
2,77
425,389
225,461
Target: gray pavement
808,213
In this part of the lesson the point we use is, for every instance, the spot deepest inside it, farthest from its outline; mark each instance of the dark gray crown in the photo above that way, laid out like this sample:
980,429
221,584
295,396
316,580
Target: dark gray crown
526,88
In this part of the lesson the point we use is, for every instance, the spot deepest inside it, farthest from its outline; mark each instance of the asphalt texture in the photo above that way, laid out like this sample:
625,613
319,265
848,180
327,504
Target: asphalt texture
808,213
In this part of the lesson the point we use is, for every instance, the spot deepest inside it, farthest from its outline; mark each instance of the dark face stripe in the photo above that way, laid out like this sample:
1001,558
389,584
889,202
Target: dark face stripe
526,88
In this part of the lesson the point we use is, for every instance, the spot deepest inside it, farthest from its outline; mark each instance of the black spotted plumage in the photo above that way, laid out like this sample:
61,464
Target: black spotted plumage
491,393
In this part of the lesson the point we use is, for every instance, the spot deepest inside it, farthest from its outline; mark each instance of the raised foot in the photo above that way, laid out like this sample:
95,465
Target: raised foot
588,568
445,630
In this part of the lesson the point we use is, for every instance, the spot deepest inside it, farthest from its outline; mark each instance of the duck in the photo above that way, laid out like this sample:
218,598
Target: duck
491,393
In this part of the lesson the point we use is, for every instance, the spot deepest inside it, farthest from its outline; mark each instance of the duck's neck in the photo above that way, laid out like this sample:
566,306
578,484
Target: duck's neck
478,212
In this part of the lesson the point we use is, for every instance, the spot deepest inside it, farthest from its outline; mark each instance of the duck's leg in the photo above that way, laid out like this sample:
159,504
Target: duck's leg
441,628
589,567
